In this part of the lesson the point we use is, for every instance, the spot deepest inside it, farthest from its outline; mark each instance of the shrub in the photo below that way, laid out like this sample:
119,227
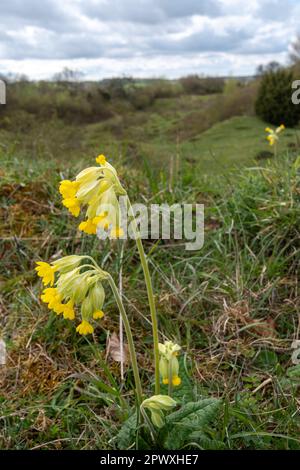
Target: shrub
141,97
273,102
238,102
194,85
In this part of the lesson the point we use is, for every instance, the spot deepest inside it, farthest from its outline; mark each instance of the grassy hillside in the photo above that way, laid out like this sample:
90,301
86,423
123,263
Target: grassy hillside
233,305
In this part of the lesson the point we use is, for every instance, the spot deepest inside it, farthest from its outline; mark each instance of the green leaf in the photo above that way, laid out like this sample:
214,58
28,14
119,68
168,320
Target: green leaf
127,434
191,420
205,442
294,372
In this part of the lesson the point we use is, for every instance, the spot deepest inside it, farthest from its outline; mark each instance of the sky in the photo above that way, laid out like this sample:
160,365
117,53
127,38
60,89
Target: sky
144,38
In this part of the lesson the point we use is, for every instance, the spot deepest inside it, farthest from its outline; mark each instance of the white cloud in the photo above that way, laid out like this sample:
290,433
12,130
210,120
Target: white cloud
144,37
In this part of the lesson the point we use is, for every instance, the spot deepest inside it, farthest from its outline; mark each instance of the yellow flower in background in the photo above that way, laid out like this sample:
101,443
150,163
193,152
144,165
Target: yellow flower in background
75,284
101,159
98,189
46,272
273,136
168,364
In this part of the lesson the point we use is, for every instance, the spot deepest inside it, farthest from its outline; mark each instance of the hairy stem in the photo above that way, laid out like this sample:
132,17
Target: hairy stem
170,383
151,300
139,391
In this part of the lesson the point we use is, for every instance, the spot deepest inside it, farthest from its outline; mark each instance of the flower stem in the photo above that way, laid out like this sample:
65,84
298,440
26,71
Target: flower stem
170,383
139,391
151,300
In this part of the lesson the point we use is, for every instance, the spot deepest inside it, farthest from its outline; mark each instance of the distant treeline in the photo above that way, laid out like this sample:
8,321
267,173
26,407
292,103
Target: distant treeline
86,101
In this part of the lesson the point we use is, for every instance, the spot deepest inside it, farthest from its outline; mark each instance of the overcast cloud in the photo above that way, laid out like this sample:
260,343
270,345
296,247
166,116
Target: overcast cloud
157,38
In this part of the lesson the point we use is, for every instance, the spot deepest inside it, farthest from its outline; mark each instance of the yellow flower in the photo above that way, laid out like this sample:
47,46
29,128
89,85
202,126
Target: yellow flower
97,188
273,134
102,221
85,328
68,188
98,314
46,272
48,294
68,312
168,364
73,205
176,380
101,159
88,227
76,283
280,128
52,297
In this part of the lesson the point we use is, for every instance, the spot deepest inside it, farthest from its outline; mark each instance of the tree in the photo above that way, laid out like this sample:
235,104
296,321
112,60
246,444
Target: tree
273,103
295,52
270,67
68,75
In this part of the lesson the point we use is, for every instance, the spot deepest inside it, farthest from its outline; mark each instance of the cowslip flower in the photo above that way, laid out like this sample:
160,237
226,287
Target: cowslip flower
46,272
72,285
157,405
168,364
273,135
97,189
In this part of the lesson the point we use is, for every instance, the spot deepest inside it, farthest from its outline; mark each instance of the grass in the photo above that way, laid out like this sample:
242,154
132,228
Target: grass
233,306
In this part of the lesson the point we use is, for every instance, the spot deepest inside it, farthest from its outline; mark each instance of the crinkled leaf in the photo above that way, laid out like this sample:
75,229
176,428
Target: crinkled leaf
192,418
127,434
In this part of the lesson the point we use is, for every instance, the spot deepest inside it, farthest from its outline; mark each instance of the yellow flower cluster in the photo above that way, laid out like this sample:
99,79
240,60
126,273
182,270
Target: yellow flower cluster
168,364
272,136
97,188
75,284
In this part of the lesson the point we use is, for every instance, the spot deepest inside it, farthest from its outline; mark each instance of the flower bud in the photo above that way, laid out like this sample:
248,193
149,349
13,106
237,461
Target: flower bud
168,364
97,296
157,404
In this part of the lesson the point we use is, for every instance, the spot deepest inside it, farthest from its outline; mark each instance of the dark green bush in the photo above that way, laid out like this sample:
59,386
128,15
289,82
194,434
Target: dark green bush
274,102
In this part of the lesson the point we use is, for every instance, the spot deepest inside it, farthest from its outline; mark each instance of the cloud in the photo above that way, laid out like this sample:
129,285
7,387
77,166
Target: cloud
148,11
139,33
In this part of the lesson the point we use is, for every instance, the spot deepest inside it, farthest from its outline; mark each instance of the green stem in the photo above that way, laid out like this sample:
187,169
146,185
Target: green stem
151,300
170,383
139,391
148,423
